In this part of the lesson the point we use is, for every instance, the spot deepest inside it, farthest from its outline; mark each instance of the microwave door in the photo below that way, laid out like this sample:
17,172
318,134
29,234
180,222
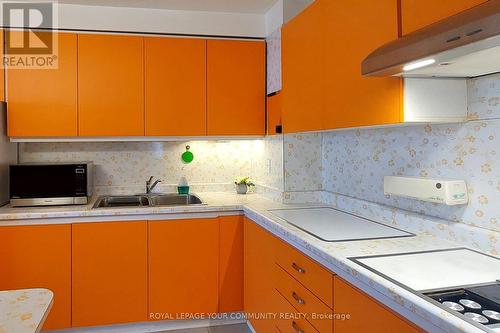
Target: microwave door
43,181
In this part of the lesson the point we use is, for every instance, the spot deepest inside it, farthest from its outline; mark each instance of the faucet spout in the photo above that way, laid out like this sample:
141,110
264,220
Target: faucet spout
150,187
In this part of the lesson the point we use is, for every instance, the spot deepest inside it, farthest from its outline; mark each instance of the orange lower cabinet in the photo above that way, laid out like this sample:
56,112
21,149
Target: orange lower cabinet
304,301
183,268
366,314
109,273
288,319
258,276
231,263
39,257
309,273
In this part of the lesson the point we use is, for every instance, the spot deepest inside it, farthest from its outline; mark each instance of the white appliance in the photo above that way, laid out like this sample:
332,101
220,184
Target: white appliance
8,155
438,269
332,225
448,192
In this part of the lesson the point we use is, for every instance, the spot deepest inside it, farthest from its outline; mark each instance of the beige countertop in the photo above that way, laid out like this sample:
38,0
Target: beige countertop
24,311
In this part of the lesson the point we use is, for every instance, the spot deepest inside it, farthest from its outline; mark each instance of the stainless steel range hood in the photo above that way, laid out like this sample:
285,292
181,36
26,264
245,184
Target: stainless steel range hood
462,46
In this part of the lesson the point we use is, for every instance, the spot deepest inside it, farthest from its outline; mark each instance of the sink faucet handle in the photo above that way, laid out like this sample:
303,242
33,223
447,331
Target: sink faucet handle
150,180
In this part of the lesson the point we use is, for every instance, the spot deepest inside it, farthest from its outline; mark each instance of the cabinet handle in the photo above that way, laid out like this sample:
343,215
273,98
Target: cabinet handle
297,328
298,299
298,268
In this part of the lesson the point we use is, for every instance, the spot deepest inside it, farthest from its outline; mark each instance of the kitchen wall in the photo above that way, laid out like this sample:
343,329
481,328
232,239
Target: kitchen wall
346,168
355,162
123,167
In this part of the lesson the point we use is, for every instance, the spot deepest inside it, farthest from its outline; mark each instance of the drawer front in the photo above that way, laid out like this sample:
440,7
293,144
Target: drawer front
289,320
304,301
311,274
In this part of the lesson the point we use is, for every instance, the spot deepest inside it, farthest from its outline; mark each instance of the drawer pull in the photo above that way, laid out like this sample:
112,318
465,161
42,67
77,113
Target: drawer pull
298,268
297,328
298,299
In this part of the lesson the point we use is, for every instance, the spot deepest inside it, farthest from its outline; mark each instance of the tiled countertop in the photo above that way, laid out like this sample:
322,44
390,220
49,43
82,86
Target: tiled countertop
334,256
24,311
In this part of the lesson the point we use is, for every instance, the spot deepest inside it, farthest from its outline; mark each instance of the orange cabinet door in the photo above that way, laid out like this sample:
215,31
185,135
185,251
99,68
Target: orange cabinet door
303,70
109,273
236,87
366,314
231,263
111,85
417,14
289,320
354,30
176,103
43,102
183,267
259,288
274,113
39,257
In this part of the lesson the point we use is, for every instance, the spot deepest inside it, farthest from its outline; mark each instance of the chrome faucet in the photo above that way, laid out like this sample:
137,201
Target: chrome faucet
150,187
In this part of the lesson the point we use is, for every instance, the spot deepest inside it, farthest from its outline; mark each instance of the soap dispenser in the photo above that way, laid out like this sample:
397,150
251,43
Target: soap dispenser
183,187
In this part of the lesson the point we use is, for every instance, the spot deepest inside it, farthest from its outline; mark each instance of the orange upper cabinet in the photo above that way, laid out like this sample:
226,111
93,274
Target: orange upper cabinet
417,14
183,267
353,29
175,70
109,273
43,102
39,257
303,66
323,48
111,85
366,314
236,72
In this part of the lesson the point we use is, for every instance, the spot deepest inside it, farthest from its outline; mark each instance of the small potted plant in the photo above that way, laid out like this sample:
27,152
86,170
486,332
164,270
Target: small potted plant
242,184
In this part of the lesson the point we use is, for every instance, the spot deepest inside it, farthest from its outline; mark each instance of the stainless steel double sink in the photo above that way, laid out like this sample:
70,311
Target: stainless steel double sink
147,200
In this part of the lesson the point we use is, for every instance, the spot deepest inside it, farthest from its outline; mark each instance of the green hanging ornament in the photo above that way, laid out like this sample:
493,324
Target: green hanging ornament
187,156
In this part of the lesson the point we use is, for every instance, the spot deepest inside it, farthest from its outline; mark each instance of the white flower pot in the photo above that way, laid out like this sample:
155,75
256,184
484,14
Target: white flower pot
242,189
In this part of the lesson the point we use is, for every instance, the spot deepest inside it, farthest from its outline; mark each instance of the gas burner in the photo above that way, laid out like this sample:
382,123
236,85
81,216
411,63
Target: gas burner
454,306
492,314
470,304
476,317
478,304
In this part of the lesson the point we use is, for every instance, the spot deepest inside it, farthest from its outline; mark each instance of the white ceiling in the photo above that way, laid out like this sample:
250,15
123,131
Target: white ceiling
232,6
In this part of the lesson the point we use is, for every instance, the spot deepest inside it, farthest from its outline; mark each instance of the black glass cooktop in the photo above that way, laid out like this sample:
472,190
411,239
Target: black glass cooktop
480,304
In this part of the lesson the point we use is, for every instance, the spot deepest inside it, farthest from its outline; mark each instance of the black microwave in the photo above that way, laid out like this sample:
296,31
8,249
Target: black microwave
50,184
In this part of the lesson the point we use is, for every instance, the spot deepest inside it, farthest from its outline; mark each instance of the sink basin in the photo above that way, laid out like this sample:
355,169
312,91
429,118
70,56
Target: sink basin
122,201
175,200
147,200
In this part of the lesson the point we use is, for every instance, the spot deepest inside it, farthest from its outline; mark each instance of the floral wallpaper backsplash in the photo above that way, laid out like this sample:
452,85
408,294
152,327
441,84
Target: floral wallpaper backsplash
125,166
303,162
355,165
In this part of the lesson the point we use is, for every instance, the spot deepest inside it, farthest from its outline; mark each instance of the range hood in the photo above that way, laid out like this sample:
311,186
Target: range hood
462,46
